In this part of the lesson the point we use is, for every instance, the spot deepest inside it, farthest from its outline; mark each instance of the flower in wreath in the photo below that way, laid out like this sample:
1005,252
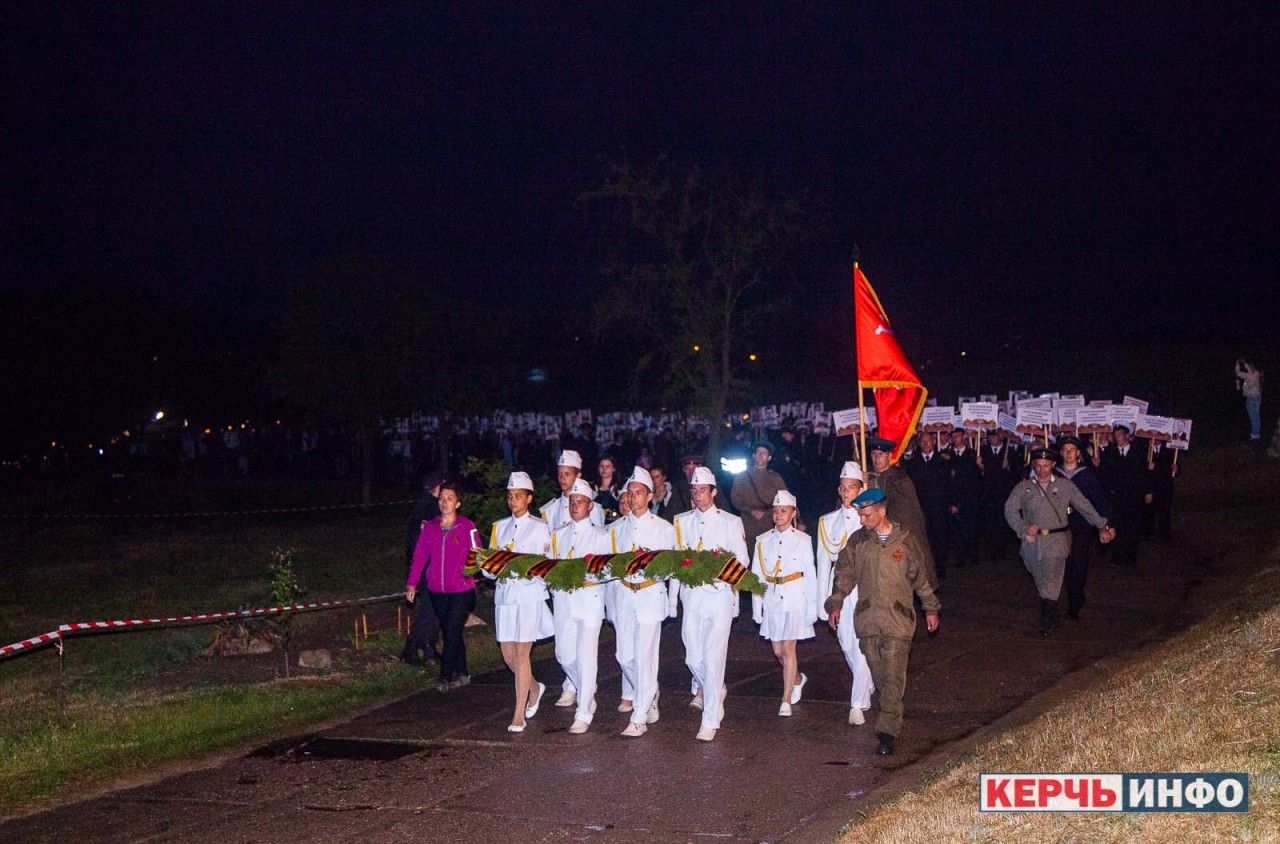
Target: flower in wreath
686,562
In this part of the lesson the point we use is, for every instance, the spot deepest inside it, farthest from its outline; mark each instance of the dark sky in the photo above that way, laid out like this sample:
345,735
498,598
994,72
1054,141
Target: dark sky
982,156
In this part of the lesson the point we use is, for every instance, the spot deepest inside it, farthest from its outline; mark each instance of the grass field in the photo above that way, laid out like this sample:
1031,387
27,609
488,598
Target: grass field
136,700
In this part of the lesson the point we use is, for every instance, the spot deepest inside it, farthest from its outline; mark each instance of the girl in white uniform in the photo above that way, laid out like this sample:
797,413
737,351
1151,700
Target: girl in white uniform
787,611
520,607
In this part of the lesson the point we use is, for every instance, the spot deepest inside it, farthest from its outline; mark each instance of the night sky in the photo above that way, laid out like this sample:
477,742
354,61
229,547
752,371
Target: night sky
987,159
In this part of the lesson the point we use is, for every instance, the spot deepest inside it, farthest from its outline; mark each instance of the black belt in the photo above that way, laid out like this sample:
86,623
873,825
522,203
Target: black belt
1047,531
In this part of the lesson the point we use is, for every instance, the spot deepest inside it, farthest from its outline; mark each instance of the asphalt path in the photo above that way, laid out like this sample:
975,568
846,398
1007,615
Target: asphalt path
442,767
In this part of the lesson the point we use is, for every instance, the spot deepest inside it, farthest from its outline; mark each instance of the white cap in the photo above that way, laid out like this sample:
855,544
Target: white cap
640,475
570,458
852,470
520,480
704,476
782,498
581,487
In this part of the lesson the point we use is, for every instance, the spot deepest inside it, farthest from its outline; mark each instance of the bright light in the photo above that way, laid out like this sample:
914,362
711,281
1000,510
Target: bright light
100,451
159,415
697,348
962,354
53,444
752,357
208,430
746,416
733,465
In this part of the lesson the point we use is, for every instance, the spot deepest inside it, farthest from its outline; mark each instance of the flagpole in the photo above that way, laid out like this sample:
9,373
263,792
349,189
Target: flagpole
862,430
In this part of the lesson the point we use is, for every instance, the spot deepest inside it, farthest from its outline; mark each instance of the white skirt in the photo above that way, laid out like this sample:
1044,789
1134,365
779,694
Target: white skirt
780,626
528,621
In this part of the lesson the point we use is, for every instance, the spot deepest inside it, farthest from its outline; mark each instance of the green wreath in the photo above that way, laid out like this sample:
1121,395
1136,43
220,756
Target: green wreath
689,568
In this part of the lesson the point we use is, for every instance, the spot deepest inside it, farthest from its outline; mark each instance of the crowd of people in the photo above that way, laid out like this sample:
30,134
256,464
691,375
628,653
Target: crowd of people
898,527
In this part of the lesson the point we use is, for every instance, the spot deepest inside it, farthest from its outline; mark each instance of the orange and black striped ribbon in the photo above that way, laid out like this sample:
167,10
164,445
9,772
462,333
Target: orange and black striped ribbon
498,561
732,572
642,559
597,562
540,569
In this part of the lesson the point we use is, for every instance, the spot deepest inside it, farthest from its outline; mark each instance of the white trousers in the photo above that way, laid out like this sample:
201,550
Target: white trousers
578,652
637,651
708,618
863,685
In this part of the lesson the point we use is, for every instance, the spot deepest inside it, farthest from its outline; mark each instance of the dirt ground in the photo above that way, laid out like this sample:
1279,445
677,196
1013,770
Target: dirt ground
442,766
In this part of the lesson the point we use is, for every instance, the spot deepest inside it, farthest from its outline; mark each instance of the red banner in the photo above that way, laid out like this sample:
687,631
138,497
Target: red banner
884,368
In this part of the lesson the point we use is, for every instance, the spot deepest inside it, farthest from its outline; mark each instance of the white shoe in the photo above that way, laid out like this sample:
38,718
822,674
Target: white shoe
515,728
784,711
707,734
579,727
567,698
652,715
696,703
530,711
798,688
635,730
625,706
856,718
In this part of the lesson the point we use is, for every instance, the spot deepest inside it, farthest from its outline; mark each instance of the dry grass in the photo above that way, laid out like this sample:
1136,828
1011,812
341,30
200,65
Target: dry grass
1206,700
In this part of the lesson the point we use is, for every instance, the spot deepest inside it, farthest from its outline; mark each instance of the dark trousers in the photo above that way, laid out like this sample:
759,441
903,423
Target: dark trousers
964,533
887,659
423,632
1127,520
937,528
1077,573
453,608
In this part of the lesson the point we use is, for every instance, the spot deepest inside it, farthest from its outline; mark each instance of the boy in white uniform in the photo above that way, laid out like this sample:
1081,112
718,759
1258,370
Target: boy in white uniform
708,610
580,612
834,530
640,605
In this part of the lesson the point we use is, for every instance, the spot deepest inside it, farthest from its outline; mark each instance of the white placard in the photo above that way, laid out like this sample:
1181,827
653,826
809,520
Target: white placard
1042,403
979,416
1158,428
1070,401
1123,414
1138,403
1008,423
1033,420
937,418
1181,434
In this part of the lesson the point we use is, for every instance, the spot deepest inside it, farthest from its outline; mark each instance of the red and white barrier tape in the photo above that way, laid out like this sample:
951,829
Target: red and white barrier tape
33,642
182,515
118,624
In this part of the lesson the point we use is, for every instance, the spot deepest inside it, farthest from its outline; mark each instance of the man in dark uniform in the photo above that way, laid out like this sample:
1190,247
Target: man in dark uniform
424,630
964,494
1125,477
1159,513
929,471
1000,474
900,492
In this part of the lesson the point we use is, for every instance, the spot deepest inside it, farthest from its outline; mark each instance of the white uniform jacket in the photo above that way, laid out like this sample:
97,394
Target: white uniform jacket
785,556
834,530
525,535
571,542
707,531
650,533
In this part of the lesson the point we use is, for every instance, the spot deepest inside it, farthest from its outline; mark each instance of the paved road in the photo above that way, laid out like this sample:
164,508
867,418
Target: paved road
457,775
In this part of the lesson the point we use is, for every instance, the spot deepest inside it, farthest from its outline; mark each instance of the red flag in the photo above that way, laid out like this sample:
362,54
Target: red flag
883,367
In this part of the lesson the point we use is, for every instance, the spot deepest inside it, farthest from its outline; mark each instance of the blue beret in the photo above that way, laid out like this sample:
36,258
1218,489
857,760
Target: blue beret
871,496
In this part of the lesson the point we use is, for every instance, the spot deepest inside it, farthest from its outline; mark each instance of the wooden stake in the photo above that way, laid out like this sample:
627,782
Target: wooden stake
399,620
1173,473
356,623
364,622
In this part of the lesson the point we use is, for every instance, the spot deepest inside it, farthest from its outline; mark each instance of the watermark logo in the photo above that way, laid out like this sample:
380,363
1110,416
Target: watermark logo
1152,792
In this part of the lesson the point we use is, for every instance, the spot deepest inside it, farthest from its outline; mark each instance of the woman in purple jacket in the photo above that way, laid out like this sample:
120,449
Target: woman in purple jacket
442,551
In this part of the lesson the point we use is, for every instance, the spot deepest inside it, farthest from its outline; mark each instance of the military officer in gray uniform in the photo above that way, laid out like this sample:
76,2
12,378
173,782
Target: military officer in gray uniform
1037,511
